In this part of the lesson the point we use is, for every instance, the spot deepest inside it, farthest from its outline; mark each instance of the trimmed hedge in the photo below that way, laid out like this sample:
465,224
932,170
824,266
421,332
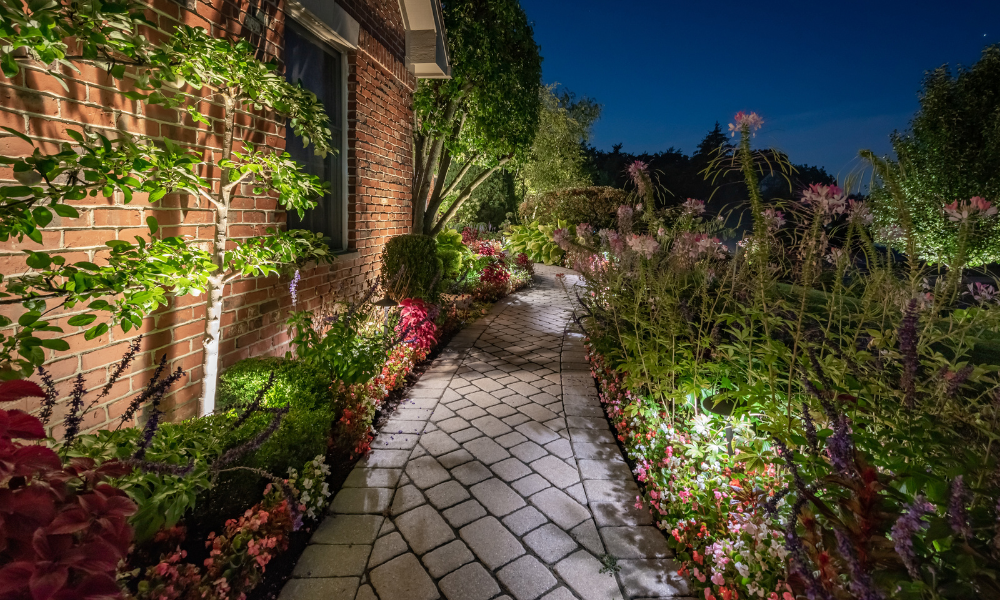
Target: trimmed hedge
416,256
295,383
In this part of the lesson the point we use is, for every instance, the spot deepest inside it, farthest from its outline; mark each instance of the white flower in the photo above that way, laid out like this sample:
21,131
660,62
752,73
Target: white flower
743,569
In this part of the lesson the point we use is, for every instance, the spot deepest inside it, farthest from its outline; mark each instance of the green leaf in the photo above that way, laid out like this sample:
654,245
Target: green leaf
76,135
118,71
8,65
27,319
154,225
43,216
66,211
82,320
38,260
18,134
58,345
95,331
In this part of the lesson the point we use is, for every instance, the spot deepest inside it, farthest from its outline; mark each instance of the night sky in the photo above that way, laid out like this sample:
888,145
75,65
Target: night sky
829,78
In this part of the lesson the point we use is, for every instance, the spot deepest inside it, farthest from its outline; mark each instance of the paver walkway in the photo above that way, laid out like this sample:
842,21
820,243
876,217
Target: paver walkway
498,478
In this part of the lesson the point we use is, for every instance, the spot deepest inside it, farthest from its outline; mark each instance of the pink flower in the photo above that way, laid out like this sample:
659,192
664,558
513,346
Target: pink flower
692,207
859,213
699,575
982,293
960,212
828,201
643,244
774,219
638,502
718,579
750,122
639,173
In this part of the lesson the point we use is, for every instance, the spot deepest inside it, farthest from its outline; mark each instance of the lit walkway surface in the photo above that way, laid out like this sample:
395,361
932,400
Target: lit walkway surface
497,479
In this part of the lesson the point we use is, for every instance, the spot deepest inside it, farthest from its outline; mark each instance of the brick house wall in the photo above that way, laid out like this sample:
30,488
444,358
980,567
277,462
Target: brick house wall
379,205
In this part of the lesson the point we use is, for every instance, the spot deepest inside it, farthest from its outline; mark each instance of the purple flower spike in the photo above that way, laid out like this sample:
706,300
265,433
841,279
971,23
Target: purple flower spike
904,529
957,515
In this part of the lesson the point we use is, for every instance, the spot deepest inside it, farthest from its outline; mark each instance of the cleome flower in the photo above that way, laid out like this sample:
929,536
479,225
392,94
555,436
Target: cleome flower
962,212
643,244
751,122
828,201
693,208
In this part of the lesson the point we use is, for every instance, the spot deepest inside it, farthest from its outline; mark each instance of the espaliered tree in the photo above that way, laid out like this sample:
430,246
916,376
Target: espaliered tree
486,115
183,72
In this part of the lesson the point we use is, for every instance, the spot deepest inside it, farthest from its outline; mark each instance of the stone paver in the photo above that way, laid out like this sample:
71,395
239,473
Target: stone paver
498,478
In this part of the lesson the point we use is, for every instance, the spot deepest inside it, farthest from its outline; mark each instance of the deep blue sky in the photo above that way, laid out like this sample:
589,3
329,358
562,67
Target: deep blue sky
829,78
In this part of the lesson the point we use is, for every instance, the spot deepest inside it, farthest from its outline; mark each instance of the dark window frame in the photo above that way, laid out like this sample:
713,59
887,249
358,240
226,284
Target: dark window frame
331,216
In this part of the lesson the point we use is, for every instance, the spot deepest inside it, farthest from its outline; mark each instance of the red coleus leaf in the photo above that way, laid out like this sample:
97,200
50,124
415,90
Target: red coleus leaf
94,587
31,460
15,577
16,389
71,520
48,579
22,425
97,556
34,504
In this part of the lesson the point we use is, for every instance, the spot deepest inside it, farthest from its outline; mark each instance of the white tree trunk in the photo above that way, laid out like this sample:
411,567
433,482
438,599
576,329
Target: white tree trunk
217,282
213,317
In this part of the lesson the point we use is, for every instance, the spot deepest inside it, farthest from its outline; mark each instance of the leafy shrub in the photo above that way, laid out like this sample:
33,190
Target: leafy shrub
416,324
594,205
163,498
409,266
537,241
304,384
950,152
339,346
452,253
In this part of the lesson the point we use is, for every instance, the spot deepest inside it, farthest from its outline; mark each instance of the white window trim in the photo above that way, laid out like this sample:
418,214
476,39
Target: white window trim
341,42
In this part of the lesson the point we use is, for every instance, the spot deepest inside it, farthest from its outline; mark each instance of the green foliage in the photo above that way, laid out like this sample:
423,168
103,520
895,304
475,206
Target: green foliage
339,346
557,160
951,152
452,254
303,434
596,206
136,279
406,261
44,29
163,499
485,116
537,242
295,383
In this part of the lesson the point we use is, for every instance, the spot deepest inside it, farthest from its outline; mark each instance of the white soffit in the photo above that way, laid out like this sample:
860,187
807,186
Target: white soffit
426,44
326,20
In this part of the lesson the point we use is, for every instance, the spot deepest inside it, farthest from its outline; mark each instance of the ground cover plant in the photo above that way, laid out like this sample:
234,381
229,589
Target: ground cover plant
811,414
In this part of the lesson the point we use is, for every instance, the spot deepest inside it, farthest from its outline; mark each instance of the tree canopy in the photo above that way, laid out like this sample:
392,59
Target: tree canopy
951,152
486,115
557,160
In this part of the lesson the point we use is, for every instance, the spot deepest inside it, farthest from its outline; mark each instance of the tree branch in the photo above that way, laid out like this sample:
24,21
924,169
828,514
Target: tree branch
461,175
466,194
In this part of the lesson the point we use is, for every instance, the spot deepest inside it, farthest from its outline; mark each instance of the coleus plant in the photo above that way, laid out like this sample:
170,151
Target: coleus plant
63,529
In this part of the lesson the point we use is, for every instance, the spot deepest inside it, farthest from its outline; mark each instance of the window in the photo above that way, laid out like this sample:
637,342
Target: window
320,69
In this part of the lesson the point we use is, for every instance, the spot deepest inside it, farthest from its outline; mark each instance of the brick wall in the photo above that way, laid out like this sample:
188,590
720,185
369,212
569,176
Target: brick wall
379,169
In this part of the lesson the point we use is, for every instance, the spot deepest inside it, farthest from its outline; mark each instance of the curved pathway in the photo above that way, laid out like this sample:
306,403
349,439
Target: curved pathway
497,479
